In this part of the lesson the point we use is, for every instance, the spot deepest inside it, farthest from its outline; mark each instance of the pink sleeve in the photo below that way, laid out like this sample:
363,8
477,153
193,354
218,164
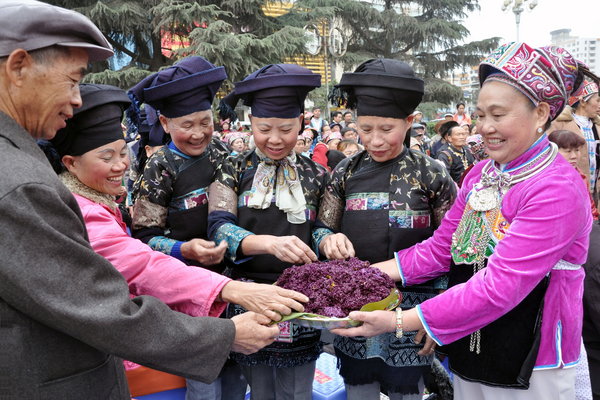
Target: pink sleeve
431,258
549,223
187,289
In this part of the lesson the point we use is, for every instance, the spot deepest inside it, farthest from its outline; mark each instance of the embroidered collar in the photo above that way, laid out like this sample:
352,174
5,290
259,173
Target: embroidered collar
460,151
175,150
495,182
77,187
583,121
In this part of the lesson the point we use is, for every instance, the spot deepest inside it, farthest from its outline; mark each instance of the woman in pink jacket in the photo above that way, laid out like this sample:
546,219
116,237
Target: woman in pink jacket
512,244
93,152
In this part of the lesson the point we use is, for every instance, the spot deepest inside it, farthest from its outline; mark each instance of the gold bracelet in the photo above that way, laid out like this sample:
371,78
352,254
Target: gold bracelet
399,331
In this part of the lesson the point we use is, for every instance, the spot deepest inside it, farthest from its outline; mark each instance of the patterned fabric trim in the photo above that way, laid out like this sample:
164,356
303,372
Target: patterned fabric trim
409,219
391,350
368,201
162,244
331,211
146,214
222,198
477,235
318,234
233,236
190,200
245,196
566,266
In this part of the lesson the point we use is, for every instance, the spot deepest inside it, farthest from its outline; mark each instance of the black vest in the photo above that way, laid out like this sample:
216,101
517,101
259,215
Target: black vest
366,228
193,174
509,345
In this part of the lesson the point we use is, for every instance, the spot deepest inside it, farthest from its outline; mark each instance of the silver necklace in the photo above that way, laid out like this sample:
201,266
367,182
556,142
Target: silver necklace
488,192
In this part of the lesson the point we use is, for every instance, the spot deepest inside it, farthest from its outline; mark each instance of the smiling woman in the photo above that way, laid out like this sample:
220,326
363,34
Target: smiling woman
512,243
263,204
385,198
95,156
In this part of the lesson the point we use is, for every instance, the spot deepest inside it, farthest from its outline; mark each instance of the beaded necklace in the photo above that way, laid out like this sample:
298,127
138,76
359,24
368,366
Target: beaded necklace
482,224
461,154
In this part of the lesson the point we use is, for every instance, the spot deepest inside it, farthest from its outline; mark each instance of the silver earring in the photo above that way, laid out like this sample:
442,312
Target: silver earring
540,130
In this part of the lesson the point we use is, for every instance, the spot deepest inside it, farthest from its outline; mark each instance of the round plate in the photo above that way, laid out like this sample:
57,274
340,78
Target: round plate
322,322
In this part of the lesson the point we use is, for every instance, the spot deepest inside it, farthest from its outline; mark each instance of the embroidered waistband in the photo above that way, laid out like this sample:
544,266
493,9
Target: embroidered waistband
565,265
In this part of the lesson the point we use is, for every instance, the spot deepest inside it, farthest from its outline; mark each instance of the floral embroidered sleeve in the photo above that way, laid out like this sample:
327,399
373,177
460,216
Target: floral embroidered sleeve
150,208
222,209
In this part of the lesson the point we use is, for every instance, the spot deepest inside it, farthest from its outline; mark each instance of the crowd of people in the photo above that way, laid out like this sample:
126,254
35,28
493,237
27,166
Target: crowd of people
162,250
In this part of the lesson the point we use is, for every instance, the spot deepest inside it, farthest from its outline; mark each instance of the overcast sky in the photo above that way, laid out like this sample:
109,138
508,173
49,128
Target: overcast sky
581,16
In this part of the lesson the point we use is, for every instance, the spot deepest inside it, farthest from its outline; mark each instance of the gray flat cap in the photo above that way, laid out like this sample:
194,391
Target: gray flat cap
32,25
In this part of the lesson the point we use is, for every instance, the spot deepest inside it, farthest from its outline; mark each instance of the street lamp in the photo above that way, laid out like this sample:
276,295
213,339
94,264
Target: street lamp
333,43
517,9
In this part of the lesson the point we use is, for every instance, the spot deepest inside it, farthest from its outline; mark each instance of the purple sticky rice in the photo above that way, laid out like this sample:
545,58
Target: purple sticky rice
337,287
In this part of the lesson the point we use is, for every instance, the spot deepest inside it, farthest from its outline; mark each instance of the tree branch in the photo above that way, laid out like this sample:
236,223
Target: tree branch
121,48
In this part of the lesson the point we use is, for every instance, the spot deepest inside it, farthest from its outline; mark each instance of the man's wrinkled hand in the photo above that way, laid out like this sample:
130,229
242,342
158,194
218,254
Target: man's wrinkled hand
269,300
252,332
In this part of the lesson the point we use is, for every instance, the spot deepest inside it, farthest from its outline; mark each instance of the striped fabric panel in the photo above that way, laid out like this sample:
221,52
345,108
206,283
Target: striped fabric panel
409,219
190,200
368,201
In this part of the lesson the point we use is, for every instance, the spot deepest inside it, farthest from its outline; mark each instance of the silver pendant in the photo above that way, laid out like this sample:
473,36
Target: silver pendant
484,199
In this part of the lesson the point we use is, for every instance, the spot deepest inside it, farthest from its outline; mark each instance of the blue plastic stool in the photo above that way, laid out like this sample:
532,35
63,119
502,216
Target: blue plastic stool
328,384
174,394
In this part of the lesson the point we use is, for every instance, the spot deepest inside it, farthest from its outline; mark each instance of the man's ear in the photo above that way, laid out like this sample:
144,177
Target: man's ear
18,63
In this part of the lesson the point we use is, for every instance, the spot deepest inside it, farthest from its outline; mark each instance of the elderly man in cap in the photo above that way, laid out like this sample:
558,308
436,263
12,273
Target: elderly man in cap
417,133
66,311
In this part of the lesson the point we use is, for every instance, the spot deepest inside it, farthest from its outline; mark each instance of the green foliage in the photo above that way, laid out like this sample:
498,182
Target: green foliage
238,35
244,53
319,97
233,33
430,109
427,34
122,78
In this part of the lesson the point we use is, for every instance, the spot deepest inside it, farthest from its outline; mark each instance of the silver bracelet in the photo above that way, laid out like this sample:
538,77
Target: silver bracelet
399,331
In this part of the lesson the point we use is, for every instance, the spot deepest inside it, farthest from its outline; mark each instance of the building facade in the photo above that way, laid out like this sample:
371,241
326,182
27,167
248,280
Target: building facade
583,49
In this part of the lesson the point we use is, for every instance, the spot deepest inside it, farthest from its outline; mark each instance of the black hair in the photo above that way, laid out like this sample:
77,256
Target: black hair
346,129
460,104
447,127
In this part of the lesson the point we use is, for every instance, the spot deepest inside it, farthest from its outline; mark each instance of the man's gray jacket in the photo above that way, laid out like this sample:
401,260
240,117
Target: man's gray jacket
65,312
